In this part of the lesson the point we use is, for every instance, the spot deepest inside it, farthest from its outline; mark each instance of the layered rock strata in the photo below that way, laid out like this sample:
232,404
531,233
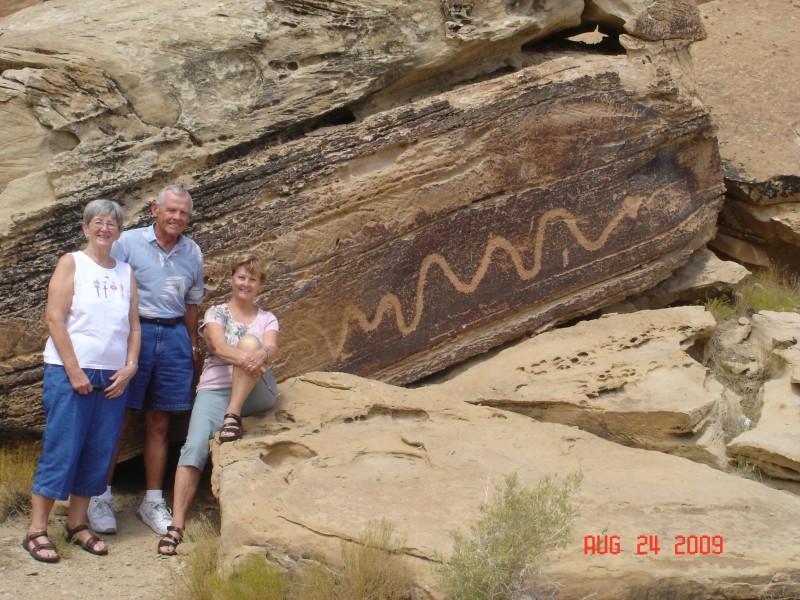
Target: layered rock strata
408,227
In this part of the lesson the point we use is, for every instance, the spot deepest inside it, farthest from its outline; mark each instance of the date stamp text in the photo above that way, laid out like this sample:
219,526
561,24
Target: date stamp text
652,545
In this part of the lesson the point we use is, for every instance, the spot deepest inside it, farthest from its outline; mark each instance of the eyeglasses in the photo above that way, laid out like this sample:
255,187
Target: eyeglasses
110,225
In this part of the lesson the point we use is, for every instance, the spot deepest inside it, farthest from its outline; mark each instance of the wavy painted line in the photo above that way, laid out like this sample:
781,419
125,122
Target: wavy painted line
390,302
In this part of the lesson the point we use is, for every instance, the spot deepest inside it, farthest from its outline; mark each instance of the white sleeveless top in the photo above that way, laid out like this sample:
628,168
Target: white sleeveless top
97,322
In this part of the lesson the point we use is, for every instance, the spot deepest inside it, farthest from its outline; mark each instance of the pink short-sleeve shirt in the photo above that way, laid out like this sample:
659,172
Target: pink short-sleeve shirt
217,374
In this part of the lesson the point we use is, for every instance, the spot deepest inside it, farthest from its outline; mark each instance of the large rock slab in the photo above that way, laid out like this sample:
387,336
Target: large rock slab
705,276
340,451
629,378
746,72
408,227
773,445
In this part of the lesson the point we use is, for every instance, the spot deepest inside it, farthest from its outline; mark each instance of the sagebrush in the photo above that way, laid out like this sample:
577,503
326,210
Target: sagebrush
502,555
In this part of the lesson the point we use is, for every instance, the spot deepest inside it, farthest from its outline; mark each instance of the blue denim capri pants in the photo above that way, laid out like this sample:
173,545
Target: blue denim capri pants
80,435
209,413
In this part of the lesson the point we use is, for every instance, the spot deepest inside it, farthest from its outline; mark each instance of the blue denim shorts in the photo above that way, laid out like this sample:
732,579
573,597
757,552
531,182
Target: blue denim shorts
209,413
166,369
80,435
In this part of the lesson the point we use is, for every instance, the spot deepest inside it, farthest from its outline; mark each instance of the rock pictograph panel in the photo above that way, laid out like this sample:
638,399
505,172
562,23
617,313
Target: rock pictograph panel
407,231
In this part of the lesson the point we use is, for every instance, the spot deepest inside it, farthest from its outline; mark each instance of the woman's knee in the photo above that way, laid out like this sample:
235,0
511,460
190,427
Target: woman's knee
194,454
249,342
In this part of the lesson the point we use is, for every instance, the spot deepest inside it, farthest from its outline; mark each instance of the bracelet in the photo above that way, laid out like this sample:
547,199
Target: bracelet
196,349
134,363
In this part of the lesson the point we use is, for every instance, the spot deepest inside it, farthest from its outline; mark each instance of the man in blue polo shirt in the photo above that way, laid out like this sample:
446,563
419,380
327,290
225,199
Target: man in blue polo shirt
169,276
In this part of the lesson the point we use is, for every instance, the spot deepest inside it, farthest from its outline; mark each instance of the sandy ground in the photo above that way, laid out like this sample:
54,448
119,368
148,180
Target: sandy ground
132,568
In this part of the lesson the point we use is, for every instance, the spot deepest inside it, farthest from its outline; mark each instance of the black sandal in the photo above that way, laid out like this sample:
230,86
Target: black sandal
89,545
234,430
36,550
168,545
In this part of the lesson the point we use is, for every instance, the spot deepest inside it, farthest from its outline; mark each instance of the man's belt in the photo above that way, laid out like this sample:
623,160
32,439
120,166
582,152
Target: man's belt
166,322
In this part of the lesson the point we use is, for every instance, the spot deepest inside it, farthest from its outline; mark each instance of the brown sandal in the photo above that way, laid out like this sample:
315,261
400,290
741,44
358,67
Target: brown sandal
168,545
36,550
233,430
89,545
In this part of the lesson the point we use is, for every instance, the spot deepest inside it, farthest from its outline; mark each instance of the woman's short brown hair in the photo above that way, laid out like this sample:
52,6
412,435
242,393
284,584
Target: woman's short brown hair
252,263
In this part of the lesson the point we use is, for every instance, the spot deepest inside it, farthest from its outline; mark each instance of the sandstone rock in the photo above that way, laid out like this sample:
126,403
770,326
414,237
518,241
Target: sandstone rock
648,19
773,444
741,250
627,378
773,229
704,276
421,199
774,330
341,451
746,73
736,334
8,7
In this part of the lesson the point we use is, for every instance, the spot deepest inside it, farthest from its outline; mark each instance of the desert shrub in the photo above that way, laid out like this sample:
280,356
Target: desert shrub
502,556
17,468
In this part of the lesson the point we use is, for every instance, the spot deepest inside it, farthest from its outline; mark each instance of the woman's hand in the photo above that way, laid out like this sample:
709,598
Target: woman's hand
120,381
79,381
252,362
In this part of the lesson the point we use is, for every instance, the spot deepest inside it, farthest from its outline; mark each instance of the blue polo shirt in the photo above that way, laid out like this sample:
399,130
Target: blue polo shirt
166,281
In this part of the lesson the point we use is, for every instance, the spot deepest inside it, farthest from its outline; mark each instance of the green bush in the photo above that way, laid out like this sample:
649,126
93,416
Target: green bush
506,548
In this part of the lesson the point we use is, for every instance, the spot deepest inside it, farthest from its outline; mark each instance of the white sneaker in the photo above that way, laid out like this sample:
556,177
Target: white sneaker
155,515
101,515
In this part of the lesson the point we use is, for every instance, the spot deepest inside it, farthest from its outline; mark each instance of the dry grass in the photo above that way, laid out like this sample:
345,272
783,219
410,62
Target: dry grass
774,288
747,469
17,468
202,579
373,569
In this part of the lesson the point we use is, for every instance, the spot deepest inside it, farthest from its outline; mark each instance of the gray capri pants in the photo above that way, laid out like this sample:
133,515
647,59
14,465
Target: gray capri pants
208,414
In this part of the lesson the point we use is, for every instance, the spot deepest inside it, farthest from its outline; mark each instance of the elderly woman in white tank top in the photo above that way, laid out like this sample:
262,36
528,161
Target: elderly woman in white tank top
90,357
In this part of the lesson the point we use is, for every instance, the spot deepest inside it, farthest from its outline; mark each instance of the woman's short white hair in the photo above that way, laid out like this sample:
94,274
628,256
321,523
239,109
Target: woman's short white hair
102,208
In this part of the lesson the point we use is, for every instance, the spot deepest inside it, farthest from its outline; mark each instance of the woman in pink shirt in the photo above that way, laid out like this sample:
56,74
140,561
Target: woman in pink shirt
236,381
